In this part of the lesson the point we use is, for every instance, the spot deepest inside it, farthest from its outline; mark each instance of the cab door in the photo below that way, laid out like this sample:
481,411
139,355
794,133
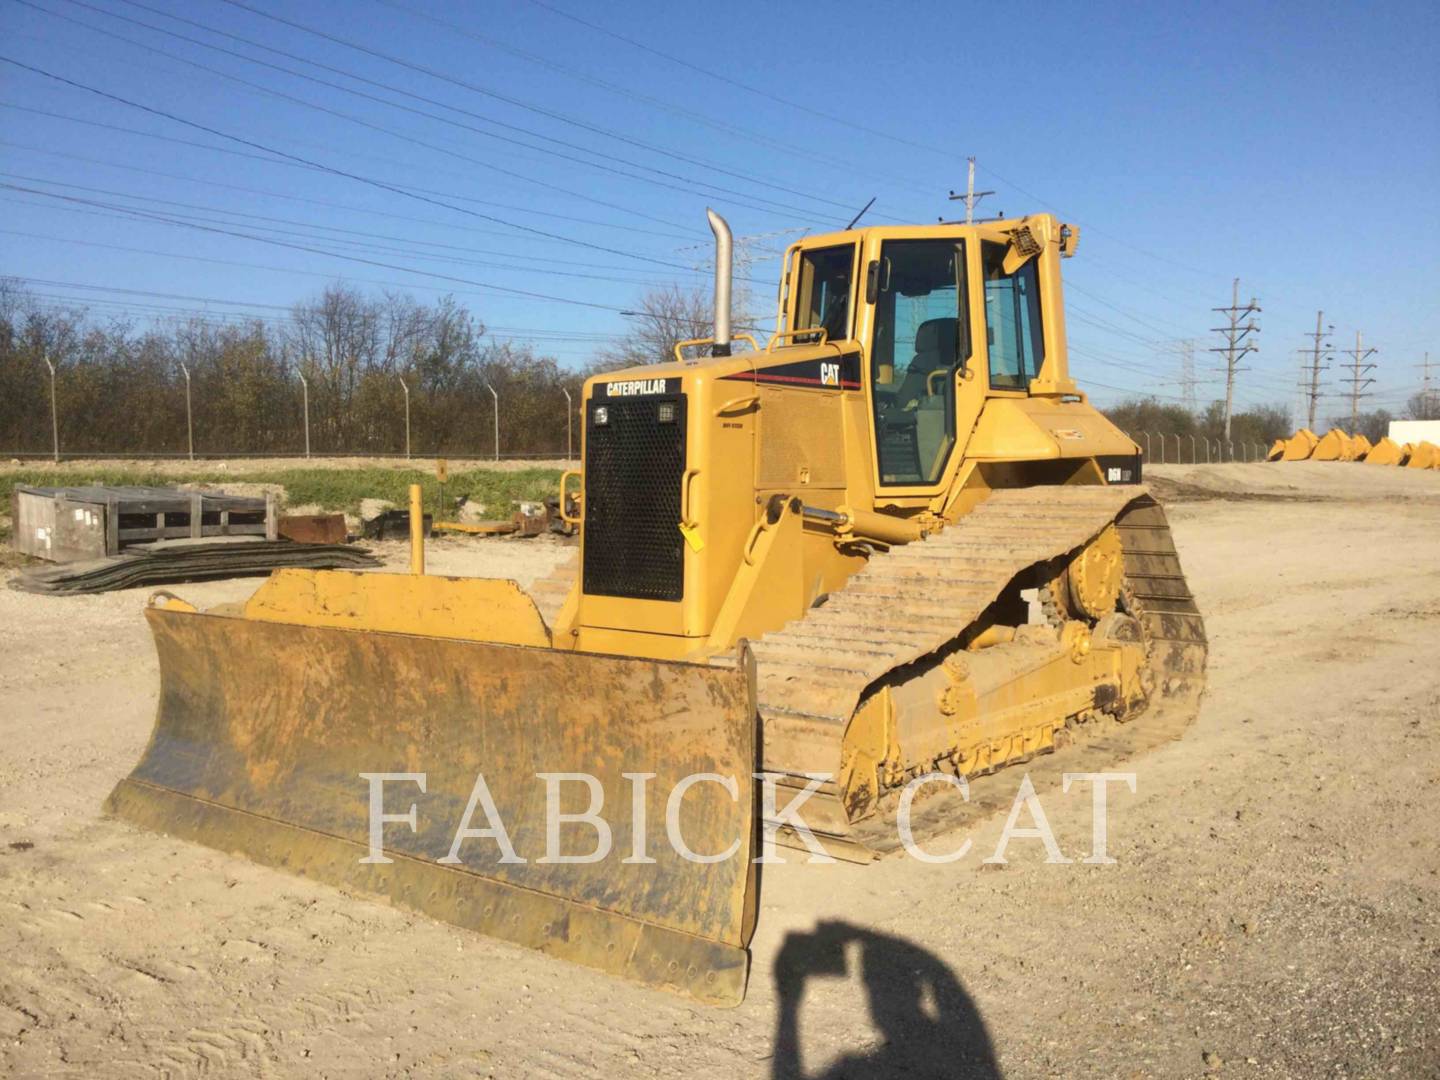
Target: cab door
926,376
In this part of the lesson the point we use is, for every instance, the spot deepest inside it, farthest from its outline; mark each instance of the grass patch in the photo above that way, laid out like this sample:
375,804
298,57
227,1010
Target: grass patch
334,490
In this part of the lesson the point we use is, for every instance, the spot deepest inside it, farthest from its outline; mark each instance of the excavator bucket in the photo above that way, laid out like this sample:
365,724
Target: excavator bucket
1385,452
1300,445
1361,446
287,743
1277,451
1425,456
1335,446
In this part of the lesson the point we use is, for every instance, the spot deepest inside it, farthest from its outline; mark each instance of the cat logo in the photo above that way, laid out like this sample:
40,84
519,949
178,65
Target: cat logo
829,374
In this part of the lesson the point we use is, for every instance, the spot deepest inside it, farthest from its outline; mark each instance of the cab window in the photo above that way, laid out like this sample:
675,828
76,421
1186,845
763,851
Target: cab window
921,339
823,296
1012,320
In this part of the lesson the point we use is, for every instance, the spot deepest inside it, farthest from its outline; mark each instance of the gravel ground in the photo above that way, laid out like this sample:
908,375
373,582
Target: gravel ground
1272,911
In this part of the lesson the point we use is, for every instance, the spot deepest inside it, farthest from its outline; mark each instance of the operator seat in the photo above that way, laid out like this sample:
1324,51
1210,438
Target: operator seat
935,343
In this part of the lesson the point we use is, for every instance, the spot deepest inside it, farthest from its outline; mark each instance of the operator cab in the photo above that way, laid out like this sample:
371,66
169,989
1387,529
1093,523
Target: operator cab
945,316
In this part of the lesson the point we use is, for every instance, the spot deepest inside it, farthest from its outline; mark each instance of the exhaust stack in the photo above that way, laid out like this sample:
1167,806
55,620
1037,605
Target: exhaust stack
723,264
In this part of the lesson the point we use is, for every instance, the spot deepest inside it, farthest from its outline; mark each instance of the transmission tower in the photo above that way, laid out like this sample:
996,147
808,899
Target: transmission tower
1359,380
1188,383
1321,352
1236,345
1429,395
745,253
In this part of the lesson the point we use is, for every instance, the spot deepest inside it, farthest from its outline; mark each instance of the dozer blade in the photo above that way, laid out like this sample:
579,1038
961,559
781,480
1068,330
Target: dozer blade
266,732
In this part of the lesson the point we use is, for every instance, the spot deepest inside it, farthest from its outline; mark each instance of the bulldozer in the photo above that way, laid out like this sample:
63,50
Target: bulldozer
894,544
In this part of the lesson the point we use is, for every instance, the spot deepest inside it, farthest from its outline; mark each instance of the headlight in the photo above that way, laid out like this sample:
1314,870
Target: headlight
602,414
666,412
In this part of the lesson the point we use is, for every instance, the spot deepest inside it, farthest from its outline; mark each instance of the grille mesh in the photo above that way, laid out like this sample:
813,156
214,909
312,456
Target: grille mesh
633,468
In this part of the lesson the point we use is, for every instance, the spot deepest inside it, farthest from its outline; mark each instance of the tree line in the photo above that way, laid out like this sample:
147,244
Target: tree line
1260,424
120,386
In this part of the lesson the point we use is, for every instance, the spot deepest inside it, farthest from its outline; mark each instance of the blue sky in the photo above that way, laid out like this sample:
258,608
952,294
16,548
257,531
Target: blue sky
569,150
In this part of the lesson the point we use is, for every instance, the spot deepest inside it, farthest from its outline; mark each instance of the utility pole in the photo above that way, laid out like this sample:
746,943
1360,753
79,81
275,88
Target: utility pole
407,415
55,409
569,424
305,396
189,422
1319,361
496,396
1235,347
971,196
1359,380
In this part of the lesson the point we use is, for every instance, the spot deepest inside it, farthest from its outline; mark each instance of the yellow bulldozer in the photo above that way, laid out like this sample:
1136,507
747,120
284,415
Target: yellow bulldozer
897,541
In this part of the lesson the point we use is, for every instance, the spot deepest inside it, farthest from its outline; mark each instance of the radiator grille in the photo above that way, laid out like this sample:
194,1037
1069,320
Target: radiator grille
634,465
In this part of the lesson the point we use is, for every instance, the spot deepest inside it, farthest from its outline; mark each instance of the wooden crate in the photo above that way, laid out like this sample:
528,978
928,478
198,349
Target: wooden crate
66,524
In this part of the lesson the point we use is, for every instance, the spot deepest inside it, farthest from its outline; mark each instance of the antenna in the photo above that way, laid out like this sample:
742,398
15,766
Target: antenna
861,214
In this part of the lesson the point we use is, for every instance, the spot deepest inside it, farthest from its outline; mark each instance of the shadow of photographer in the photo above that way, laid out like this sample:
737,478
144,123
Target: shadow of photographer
928,1025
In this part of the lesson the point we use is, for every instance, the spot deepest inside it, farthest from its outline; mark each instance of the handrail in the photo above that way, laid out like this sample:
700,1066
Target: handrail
781,335
690,343
579,497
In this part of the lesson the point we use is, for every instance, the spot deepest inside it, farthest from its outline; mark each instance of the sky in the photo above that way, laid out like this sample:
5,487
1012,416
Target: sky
547,161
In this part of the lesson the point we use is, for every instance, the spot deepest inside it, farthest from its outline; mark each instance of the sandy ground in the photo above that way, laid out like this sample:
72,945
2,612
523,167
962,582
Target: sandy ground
1274,910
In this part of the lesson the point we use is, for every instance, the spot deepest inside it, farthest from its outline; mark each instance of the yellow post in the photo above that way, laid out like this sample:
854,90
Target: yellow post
417,531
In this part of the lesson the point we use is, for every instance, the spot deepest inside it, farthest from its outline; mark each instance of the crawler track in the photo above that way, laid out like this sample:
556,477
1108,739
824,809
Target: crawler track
916,600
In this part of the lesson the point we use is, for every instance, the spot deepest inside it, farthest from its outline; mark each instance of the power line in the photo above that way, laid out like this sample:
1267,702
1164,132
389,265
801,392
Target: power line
714,192
705,188
559,335
1236,346
519,103
281,95
689,65
148,215
383,185
633,229
397,245
110,164
1127,314
569,71
329,276
1162,331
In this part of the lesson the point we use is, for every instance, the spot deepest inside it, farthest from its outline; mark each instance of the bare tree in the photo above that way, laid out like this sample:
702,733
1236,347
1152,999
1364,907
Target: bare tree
1424,405
1373,425
662,319
120,387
